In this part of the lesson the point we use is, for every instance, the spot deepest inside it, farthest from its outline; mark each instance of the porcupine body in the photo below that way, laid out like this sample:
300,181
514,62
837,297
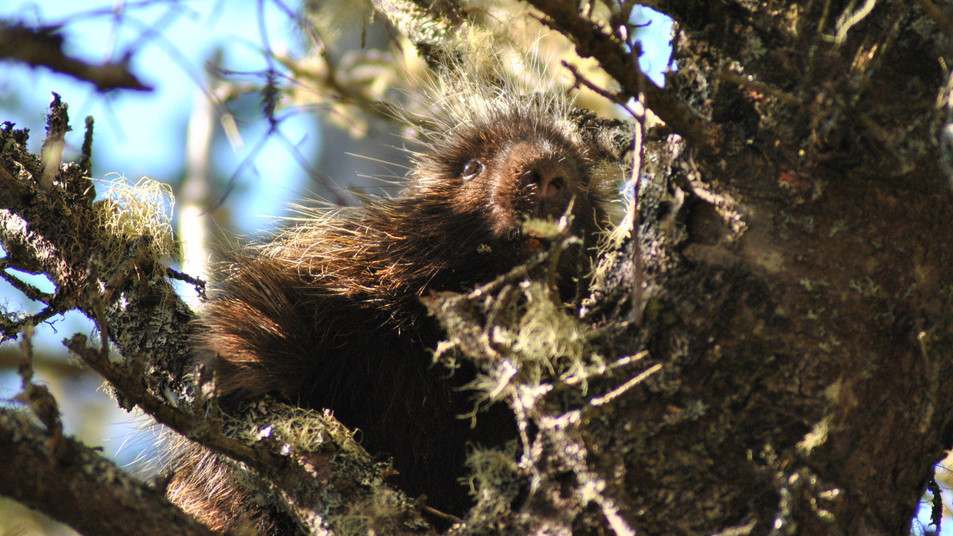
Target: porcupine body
328,315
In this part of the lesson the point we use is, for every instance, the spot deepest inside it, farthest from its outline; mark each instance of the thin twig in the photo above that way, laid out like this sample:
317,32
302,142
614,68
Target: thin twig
27,289
198,283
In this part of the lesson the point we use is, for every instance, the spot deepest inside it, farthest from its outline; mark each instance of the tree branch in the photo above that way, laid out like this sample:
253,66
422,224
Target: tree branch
594,41
44,47
77,486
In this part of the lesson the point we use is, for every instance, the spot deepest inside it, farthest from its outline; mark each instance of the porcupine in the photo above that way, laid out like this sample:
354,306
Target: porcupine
328,315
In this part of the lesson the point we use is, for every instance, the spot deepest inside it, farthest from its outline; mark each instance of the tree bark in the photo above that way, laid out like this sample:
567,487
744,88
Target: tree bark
798,291
100,498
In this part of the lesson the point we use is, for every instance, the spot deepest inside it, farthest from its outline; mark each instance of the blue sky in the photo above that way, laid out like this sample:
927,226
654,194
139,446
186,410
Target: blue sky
143,133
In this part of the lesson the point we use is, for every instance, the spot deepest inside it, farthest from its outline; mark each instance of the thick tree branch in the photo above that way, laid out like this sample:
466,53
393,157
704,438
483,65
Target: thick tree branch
77,486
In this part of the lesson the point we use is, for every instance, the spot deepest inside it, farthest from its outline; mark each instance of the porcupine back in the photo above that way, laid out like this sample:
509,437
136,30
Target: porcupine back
328,315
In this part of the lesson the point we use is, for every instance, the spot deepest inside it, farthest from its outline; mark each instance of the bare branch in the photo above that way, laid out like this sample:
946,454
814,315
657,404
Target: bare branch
593,41
44,47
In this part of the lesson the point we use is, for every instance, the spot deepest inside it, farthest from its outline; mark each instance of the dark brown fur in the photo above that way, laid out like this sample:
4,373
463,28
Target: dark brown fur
328,315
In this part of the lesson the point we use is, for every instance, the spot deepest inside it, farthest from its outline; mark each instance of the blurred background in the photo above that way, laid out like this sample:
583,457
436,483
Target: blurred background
252,107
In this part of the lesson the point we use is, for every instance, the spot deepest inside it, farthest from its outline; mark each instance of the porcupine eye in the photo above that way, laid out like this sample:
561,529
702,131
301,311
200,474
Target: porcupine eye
471,169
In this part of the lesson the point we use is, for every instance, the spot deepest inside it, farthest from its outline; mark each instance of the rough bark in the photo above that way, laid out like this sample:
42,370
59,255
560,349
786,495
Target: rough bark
797,280
797,293
75,484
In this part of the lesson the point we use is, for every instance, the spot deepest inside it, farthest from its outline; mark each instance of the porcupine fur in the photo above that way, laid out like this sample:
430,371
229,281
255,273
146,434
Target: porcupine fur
328,314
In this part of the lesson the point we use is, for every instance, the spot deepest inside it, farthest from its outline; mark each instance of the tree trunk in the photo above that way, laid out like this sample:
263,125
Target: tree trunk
798,288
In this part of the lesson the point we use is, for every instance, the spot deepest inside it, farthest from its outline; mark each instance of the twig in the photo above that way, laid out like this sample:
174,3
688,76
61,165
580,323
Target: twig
27,289
198,283
618,391
613,96
44,47
441,515
10,328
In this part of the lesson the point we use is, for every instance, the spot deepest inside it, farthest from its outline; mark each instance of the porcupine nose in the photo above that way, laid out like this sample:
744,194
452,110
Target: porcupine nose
548,183
546,179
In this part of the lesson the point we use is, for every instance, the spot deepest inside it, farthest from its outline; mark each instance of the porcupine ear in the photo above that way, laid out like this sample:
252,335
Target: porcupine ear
607,139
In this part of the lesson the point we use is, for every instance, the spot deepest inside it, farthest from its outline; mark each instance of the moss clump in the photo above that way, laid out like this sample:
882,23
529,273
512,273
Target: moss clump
128,211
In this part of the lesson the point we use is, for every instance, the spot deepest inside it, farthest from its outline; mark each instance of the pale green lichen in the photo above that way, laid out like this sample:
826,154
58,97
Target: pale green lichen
533,339
128,211
354,502
494,479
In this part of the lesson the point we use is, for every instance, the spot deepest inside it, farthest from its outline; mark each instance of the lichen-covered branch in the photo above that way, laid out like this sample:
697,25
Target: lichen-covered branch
75,484
428,25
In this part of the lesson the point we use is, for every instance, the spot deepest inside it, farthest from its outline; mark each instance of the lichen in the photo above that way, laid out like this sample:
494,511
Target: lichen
127,211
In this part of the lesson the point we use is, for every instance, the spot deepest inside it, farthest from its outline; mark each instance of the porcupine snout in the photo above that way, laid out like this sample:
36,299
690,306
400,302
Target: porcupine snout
547,179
